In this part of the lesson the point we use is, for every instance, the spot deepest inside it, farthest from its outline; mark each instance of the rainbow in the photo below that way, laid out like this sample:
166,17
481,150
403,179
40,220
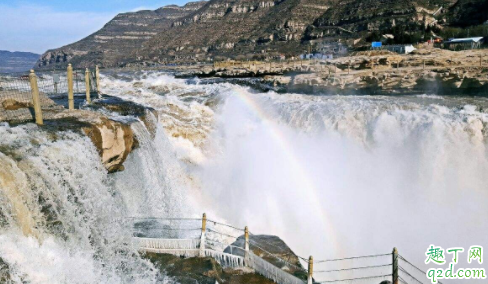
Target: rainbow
309,186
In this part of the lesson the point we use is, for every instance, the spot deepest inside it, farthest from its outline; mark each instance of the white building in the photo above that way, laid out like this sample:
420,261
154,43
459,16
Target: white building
400,48
463,43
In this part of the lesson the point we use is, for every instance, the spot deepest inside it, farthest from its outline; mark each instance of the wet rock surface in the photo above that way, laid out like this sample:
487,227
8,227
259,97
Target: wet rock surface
114,142
202,270
113,138
4,272
272,249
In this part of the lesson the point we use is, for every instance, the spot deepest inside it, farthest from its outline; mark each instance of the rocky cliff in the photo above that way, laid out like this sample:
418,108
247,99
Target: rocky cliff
468,12
255,29
119,37
231,28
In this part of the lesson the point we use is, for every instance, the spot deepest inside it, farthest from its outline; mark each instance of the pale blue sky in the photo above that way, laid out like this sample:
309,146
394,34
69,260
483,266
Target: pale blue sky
39,25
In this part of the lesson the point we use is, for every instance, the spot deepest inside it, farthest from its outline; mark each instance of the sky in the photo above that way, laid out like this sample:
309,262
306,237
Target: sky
36,26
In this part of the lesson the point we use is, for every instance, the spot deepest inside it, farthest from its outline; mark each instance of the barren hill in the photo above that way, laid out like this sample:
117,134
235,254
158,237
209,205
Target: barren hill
119,37
236,27
246,29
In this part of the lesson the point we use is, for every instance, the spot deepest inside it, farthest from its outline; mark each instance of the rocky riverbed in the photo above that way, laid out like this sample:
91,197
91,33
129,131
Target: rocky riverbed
434,71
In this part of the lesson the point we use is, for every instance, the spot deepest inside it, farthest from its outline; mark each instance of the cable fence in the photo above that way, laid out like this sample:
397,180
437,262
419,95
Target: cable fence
167,228
410,273
357,269
268,255
28,95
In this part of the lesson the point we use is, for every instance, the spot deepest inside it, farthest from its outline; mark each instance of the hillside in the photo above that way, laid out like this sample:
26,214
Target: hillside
256,29
119,37
236,27
468,13
17,61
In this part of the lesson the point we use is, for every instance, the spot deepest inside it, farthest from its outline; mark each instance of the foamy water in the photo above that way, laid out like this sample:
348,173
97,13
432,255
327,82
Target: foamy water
333,176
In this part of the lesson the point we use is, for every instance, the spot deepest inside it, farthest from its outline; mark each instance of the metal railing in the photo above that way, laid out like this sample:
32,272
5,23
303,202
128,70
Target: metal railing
234,247
24,96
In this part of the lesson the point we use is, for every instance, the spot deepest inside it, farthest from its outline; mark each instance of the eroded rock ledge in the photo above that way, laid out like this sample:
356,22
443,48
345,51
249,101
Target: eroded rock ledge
113,139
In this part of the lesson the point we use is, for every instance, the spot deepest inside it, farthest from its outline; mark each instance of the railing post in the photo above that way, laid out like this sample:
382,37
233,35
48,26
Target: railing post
395,266
310,270
35,98
87,85
97,78
71,100
55,81
202,237
246,247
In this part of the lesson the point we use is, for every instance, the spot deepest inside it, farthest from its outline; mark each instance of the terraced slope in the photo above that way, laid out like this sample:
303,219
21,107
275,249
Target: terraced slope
119,37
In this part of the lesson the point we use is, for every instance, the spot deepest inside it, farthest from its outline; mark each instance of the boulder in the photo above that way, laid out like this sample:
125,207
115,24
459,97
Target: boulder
114,141
4,272
15,104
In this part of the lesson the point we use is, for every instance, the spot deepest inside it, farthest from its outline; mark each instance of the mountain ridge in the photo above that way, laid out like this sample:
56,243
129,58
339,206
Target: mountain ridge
124,33
255,29
17,61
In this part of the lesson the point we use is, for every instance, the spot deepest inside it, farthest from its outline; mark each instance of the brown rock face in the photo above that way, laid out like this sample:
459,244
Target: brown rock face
119,37
13,104
114,142
244,28
252,29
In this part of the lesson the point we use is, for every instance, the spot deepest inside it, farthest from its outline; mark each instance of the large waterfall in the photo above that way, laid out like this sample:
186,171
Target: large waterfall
332,175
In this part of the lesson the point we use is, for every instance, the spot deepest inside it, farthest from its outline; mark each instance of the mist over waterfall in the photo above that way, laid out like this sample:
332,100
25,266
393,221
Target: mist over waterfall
333,176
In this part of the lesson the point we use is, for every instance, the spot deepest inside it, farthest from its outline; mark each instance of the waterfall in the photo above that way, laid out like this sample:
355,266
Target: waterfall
156,185
62,219
288,163
333,176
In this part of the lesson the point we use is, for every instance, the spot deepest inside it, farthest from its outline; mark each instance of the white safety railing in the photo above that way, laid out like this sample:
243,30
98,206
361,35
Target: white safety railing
230,247
272,272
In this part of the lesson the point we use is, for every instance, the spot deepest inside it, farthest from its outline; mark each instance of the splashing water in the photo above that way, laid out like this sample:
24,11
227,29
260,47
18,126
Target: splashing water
333,176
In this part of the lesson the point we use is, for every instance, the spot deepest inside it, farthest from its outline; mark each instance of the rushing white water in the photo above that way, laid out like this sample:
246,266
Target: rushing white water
68,211
333,176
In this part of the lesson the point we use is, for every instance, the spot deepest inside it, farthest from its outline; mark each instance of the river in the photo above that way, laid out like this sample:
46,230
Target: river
333,176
